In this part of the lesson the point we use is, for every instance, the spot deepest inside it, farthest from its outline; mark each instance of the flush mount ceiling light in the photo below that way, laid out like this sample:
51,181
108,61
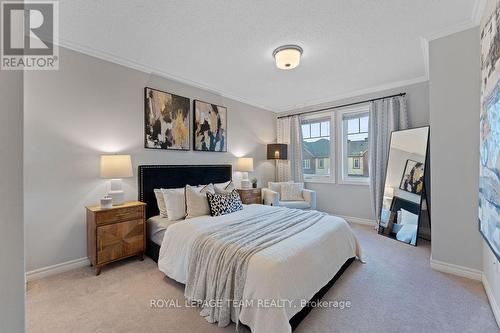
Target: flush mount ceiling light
287,56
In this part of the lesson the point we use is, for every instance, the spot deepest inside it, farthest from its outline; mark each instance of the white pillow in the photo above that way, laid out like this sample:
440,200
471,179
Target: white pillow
196,200
408,217
292,192
276,186
224,188
160,202
175,203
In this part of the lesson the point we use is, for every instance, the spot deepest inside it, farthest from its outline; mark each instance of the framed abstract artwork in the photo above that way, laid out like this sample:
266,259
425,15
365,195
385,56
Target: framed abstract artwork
166,120
209,127
413,177
489,149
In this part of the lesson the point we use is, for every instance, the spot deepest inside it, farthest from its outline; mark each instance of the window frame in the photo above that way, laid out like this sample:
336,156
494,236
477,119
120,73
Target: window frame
306,165
342,160
333,170
321,163
354,164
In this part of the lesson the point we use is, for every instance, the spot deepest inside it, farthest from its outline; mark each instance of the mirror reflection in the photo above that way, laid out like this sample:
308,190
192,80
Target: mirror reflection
404,188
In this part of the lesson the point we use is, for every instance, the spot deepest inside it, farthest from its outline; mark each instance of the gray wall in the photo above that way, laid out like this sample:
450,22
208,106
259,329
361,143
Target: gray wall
339,198
91,106
454,116
11,202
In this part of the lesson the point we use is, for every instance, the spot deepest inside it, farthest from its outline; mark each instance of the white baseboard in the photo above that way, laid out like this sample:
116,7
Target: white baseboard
358,220
491,298
462,271
56,269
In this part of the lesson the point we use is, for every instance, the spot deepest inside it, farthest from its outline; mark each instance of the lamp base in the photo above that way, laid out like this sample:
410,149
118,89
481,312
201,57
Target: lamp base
116,192
118,197
245,183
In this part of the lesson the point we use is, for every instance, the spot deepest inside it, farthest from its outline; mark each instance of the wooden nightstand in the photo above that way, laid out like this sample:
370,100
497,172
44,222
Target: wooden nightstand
115,233
250,195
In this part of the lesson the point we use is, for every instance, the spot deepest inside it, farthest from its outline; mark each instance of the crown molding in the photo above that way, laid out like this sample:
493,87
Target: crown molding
354,93
473,21
424,44
154,71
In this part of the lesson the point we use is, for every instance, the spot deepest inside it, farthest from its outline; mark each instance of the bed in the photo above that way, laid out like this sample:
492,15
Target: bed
296,270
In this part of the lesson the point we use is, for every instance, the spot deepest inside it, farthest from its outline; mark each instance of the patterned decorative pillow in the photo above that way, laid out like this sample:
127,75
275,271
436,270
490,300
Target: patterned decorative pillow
222,204
292,192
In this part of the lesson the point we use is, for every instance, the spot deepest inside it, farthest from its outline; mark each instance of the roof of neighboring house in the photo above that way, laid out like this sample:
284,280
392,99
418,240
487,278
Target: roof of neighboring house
357,148
317,149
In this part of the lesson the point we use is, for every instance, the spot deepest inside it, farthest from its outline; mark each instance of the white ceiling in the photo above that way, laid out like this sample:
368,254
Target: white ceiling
350,46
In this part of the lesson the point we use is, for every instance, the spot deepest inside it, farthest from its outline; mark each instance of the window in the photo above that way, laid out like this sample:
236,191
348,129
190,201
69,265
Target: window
356,163
354,137
306,164
317,147
321,163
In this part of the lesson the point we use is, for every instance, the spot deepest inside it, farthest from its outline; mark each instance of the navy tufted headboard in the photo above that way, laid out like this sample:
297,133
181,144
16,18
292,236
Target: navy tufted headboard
176,176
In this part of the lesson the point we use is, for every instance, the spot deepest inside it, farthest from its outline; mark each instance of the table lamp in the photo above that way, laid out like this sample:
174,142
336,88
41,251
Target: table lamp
116,167
245,165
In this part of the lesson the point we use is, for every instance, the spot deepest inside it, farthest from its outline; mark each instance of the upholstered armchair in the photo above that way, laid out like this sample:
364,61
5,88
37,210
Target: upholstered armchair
272,197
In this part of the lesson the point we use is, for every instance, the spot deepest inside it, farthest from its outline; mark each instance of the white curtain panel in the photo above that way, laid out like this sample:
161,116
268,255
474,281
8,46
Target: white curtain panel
289,132
283,135
295,150
386,115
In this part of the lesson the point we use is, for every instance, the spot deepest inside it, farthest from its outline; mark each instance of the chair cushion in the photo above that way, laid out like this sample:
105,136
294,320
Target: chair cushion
292,192
276,186
295,204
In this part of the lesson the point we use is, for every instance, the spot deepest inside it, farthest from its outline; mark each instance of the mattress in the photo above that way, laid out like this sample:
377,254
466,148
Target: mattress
156,227
280,272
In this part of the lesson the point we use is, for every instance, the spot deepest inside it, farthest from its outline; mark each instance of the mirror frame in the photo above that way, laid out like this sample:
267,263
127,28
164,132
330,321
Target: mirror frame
424,189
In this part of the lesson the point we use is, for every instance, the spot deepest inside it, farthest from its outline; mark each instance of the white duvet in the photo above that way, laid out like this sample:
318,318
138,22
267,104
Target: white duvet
281,278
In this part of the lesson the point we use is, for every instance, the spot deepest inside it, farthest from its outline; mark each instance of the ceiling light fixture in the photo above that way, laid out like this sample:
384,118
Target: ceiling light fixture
287,56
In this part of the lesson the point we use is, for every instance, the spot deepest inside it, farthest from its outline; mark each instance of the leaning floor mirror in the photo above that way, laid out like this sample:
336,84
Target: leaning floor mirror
404,200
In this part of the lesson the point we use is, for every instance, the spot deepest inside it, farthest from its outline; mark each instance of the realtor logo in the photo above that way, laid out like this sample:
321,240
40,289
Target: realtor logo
29,37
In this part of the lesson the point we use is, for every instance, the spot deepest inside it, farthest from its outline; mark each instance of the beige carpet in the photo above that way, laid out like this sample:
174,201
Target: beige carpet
395,291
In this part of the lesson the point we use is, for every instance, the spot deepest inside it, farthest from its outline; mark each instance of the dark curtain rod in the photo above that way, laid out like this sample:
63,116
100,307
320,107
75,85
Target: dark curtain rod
340,106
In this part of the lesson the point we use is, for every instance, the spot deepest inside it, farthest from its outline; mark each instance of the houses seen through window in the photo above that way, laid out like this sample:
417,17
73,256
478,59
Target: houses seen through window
355,136
316,147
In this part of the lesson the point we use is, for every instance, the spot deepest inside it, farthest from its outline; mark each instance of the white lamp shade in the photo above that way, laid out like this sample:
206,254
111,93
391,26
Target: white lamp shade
116,166
244,164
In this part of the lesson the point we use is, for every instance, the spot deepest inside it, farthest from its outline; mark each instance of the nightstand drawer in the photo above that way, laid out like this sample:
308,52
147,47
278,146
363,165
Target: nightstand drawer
117,215
251,196
119,240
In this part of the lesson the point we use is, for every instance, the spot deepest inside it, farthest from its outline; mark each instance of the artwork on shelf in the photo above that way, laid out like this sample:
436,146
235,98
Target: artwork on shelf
413,177
166,120
489,150
210,127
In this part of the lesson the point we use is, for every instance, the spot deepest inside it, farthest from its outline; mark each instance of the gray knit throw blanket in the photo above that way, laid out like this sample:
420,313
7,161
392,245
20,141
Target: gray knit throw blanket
219,259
